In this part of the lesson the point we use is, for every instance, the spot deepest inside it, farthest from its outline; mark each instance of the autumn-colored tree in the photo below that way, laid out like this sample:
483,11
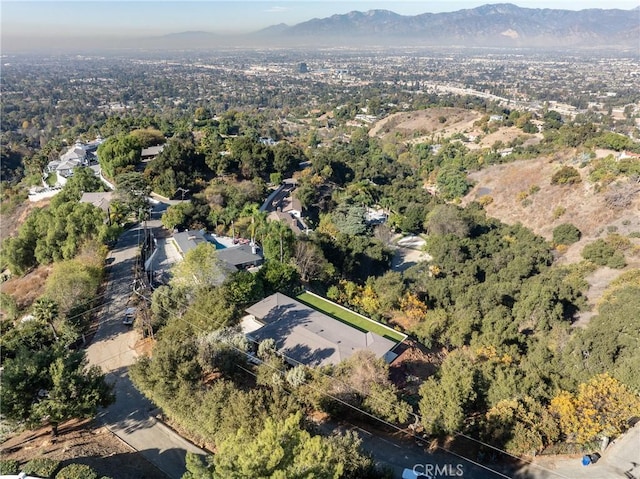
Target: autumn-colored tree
368,300
414,309
602,406
521,425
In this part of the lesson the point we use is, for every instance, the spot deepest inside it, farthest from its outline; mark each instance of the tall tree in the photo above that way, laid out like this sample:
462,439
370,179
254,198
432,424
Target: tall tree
200,268
281,450
602,406
52,385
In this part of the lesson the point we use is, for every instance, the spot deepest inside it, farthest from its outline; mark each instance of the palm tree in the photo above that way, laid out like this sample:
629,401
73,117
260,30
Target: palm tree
47,310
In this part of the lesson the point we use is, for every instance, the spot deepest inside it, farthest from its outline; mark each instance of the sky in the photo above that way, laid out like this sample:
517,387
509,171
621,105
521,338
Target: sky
58,19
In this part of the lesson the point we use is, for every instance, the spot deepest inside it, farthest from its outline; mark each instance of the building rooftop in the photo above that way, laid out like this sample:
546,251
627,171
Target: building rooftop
240,255
152,150
307,336
99,199
188,240
235,256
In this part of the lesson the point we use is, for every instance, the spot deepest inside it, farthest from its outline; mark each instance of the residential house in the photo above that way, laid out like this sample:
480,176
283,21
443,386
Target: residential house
238,256
307,336
80,154
101,200
150,153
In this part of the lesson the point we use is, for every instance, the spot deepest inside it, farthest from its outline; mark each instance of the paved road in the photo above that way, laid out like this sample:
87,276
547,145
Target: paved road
399,453
112,348
620,460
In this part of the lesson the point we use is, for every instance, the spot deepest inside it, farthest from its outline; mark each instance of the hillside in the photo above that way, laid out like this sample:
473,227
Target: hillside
584,206
504,25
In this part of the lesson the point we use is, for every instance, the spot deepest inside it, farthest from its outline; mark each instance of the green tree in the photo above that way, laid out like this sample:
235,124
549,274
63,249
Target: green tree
566,175
281,450
566,234
200,268
175,216
82,181
73,283
278,241
53,385
119,154
282,277
133,190
452,182
198,466
447,219
603,253
446,401
349,219
521,426
46,310
286,157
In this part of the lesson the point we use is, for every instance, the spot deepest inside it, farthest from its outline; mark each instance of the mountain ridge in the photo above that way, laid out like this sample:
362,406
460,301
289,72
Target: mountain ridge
502,24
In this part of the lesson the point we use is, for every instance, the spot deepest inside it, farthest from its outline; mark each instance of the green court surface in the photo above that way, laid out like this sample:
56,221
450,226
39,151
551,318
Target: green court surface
358,322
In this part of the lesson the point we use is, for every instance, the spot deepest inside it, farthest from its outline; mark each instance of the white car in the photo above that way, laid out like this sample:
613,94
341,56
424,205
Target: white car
129,316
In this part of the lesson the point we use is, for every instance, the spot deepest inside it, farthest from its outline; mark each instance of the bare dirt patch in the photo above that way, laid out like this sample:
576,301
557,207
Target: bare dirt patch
421,124
505,135
510,185
11,222
85,443
26,289
414,364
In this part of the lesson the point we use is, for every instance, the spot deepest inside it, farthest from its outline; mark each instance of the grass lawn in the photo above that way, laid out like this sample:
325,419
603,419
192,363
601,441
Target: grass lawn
347,317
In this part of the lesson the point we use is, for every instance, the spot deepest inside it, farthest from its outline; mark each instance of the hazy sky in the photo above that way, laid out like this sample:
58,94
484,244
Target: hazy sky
45,19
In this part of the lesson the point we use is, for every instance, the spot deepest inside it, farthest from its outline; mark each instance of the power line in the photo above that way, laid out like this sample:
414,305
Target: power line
335,379
366,413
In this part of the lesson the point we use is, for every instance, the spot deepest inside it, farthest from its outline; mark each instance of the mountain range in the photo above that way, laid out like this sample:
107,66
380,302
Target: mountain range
502,25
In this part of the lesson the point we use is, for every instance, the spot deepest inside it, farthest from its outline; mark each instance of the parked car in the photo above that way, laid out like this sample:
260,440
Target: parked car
129,316
411,474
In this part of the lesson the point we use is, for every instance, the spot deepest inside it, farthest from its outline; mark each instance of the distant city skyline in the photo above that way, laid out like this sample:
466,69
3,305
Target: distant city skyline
77,19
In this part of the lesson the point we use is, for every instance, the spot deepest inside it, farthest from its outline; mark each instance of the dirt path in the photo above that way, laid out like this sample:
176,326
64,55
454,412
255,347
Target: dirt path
598,282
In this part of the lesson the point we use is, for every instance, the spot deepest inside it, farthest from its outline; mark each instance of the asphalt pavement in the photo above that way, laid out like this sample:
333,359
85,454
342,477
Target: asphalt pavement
112,349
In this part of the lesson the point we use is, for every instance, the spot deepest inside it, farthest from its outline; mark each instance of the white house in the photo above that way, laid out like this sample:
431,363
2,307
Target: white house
80,154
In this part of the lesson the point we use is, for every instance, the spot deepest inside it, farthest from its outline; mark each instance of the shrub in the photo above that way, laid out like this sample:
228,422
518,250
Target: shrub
619,242
41,467
566,233
77,471
567,175
558,212
617,261
603,253
485,200
9,466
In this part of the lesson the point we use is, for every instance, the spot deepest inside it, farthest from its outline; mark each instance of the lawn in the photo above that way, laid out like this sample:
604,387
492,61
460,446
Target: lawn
347,317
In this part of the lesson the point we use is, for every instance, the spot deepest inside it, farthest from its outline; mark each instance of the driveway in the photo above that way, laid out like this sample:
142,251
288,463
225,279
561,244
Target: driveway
112,349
